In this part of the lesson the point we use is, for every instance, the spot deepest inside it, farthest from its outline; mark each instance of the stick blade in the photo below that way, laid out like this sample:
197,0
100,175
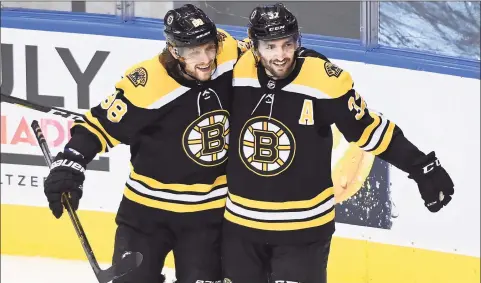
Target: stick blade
129,262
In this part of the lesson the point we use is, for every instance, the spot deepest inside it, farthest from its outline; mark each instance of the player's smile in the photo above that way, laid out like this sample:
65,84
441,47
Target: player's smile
280,63
281,66
205,68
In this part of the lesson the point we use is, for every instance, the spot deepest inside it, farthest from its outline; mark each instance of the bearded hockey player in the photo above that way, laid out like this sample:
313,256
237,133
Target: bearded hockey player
172,112
280,207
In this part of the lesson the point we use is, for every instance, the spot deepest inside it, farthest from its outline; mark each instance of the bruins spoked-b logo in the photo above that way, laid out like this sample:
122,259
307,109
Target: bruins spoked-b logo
266,146
206,140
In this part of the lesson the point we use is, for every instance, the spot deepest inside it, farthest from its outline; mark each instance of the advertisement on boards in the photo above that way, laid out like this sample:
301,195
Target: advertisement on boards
47,69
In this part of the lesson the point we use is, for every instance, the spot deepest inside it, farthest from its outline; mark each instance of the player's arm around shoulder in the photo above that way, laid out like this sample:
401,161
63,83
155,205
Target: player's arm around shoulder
235,47
228,53
244,45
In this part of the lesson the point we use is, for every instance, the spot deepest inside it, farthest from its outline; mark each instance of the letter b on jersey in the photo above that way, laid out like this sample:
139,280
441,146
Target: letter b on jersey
212,138
266,146
205,140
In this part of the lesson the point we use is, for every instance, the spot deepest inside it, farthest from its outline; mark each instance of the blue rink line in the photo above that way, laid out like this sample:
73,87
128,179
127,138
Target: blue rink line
146,28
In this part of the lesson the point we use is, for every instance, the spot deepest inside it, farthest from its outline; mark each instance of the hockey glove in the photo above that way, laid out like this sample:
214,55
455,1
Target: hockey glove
244,45
434,183
66,176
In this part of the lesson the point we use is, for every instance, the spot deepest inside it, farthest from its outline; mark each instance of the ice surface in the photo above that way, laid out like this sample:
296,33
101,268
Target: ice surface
19,269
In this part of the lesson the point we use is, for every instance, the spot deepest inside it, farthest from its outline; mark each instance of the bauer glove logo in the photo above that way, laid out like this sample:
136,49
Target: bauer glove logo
68,163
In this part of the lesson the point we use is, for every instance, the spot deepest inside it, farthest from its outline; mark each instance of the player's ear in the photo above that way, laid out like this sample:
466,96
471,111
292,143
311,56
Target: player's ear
174,52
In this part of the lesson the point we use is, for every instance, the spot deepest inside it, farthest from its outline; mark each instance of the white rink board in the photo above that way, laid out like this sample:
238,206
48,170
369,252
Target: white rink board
436,112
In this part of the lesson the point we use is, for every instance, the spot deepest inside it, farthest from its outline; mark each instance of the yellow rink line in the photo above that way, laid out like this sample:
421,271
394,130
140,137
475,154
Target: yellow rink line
33,231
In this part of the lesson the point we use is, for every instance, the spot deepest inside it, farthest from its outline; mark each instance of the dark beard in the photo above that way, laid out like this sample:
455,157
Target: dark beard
276,75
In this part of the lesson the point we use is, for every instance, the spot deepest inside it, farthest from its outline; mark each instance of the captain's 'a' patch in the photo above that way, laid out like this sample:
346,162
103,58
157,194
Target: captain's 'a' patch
332,70
138,77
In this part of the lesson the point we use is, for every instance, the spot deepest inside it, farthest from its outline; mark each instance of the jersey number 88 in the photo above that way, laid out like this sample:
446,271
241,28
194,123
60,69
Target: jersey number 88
116,108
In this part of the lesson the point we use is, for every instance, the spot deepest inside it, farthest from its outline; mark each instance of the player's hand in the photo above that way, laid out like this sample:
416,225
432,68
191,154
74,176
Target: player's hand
244,44
66,176
435,185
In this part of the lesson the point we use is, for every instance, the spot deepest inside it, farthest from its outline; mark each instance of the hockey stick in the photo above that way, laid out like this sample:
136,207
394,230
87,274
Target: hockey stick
129,260
46,109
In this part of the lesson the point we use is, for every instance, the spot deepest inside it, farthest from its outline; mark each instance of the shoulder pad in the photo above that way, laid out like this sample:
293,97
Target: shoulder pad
144,84
324,77
246,67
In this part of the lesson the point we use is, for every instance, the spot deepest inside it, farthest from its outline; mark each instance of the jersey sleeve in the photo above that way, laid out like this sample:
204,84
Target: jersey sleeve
119,117
233,45
369,130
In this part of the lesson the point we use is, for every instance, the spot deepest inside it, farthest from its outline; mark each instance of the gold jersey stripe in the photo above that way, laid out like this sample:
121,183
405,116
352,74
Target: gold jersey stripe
368,130
95,121
284,226
174,207
386,140
202,188
265,205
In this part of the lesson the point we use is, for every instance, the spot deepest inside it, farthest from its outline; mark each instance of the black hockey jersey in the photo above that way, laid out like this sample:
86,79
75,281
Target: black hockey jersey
177,132
279,169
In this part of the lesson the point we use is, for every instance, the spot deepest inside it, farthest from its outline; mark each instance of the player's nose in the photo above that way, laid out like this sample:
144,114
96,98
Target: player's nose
205,58
280,55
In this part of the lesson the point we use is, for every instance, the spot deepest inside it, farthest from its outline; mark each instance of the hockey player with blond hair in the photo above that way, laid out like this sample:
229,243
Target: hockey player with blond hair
172,110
